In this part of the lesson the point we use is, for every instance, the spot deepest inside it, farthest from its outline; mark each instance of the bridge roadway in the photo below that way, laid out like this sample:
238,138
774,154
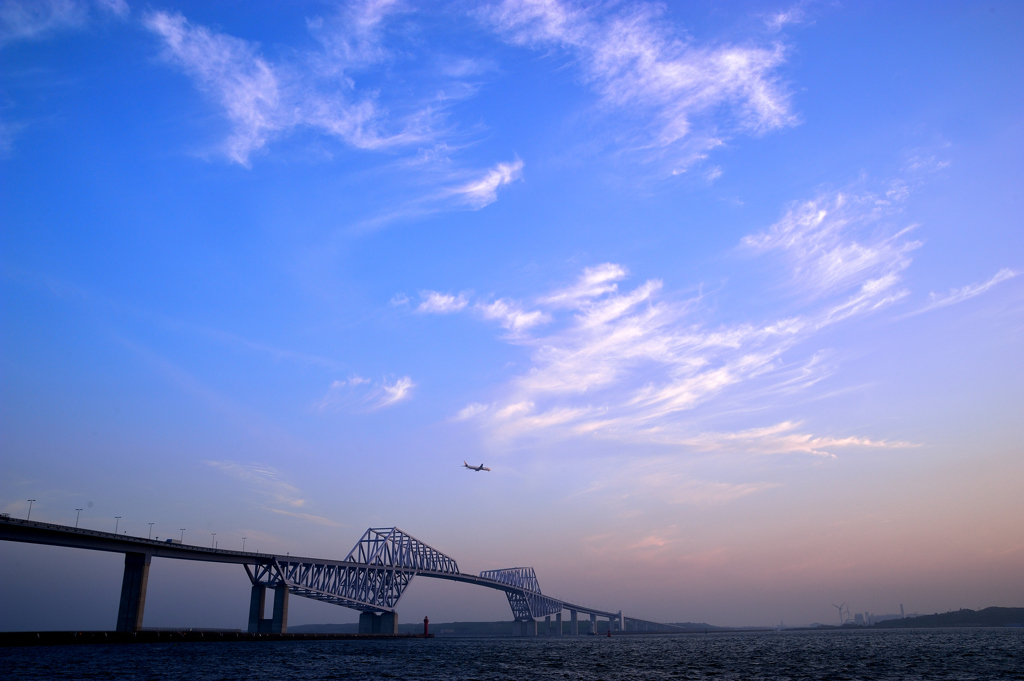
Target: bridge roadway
306,577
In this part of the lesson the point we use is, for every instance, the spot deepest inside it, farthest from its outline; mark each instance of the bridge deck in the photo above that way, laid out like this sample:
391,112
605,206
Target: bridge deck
31,531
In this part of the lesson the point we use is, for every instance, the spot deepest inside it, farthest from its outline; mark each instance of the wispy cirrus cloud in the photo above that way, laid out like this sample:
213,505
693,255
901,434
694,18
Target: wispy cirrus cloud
270,483
817,239
630,364
362,393
441,303
683,97
262,99
963,293
38,19
266,479
484,190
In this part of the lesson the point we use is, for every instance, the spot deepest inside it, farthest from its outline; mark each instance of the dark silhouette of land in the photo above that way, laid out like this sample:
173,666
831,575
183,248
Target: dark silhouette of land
503,628
989,617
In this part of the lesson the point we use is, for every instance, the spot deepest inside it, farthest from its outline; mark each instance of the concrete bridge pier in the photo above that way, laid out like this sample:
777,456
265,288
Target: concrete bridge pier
558,622
257,601
526,628
574,624
593,624
278,622
279,625
547,625
133,591
378,623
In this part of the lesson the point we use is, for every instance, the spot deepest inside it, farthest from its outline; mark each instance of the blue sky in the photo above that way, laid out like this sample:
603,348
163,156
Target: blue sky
728,297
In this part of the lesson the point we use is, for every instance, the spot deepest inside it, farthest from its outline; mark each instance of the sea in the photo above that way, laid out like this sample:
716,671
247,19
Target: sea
826,655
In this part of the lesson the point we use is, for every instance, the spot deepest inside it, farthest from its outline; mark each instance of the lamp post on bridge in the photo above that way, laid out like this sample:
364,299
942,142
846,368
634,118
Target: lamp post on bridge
29,516
150,531
183,535
77,515
117,523
243,544
213,540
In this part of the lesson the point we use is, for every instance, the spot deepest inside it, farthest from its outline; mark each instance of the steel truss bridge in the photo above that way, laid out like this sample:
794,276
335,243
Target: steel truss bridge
370,579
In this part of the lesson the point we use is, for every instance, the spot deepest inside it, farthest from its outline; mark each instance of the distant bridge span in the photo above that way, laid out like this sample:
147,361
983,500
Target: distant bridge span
371,578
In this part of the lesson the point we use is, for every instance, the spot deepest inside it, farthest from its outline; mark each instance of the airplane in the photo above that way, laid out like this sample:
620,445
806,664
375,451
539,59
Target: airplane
479,468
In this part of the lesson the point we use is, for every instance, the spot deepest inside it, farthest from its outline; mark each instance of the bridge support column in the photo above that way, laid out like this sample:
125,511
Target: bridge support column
547,625
280,621
133,591
378,623
558,622
621,622
574,624
593,624
257,601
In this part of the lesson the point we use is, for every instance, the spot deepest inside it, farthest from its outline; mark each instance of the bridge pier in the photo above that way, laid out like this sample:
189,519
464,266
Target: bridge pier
278,622
525,627
547,625
378,623
133,591
279,625
574,624
593,624
558,622
257,601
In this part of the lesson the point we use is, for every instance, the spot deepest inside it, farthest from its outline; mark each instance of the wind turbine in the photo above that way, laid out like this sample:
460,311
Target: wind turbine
840,612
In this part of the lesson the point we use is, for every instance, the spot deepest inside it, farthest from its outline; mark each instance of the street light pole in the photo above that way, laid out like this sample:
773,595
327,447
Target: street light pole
183,535
213,540
77,516
243,544
150,531
117,521
29,516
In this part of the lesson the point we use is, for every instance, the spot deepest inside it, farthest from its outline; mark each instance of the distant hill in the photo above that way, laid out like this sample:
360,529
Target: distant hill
440,629
989,617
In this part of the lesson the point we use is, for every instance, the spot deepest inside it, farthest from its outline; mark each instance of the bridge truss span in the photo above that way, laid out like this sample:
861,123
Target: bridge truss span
390,547
525,599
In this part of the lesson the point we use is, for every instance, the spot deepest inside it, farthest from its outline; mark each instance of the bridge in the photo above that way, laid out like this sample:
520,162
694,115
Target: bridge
370,579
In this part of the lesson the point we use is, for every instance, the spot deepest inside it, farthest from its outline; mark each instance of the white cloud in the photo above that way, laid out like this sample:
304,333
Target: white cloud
441,303
781,439
396,392
265,479
779,20
511,315
34,19
262,99
117,7
484,190
819,240
38,19
687,96
595,281
361,393
630,364
270,483
958,295
471,410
